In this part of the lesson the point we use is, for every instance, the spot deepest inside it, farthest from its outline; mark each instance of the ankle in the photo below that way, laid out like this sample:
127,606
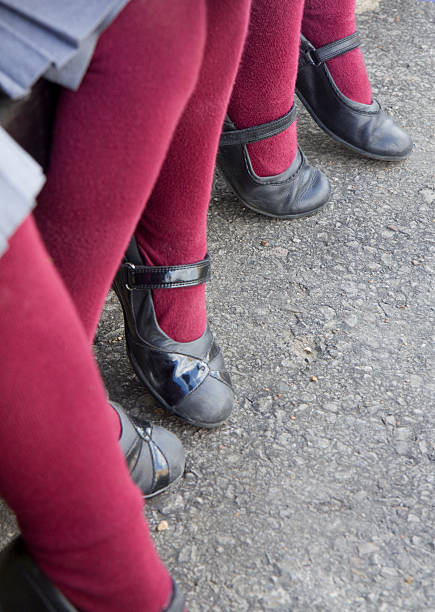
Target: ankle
180,312
348,70
350,76
274,155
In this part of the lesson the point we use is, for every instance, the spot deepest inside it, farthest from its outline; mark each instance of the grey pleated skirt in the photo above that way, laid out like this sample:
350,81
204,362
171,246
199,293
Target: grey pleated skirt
50,38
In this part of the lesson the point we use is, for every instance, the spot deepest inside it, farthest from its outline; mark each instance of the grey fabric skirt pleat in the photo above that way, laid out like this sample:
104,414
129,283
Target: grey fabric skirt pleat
21,179
54,38
50,38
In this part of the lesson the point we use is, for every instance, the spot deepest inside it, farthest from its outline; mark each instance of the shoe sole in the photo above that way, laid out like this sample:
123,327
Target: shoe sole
156,396
346,144
150,495
308,213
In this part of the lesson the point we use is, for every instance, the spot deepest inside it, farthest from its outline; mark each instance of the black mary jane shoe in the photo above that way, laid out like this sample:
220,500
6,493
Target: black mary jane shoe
154,455
25,588
364,128
187,378
299,191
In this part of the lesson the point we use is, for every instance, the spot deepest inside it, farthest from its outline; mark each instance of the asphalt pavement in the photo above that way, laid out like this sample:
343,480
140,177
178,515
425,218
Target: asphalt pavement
318,494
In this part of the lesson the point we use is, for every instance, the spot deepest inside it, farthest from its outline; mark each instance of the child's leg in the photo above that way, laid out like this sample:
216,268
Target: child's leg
173,228
326,21
62,471
265,84
110,140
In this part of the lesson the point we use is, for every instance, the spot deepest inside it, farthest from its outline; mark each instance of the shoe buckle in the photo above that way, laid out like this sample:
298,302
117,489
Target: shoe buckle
310,58
130,269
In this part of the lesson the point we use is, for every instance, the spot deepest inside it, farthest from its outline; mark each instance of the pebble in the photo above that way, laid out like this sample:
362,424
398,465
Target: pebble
403,433
279,252
331,407
327,312
301,408
413,518
402,448
172,505
283,387
162,526
415,380
362,6
373,266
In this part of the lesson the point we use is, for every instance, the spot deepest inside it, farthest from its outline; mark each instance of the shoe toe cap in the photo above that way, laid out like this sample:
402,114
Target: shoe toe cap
397,142
209,405
384,139
172,449
316,192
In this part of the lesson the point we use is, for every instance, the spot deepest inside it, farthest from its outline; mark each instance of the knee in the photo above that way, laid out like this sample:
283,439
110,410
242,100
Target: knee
154,41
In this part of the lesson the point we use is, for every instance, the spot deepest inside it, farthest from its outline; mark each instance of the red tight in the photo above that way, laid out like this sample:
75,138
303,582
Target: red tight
104,161
264,90
110,140
265,84
328,20
183,188
62,471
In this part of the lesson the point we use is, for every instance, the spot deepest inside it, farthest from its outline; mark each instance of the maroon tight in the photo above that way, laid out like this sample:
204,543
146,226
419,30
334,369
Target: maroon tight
264,88
62,471
110,140
328,20
265,84
183,188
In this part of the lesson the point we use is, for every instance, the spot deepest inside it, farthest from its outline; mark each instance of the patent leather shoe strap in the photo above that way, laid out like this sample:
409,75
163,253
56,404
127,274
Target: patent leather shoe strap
165,277
258,132
323,54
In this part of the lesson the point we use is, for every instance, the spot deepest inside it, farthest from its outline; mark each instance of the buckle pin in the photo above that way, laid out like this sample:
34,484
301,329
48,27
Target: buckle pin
130,276
310,58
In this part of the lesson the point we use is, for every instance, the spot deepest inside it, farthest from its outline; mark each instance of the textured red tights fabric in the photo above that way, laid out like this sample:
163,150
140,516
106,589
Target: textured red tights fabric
265,84
111,138
173,228
62,471
325,21
264,88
